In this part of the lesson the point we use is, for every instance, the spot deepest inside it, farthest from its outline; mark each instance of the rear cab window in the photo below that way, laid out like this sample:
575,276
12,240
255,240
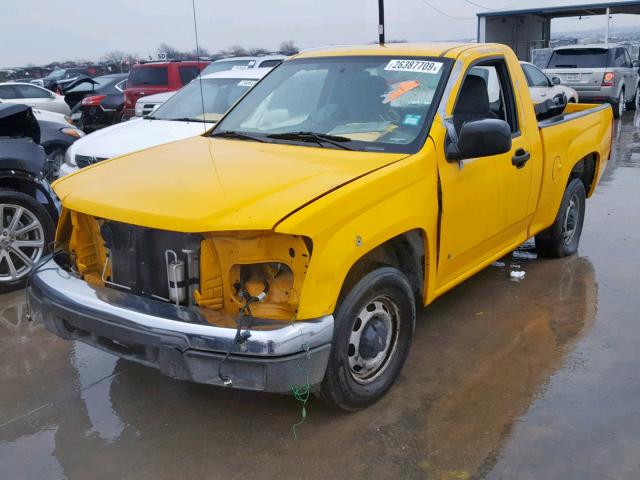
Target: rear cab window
148,75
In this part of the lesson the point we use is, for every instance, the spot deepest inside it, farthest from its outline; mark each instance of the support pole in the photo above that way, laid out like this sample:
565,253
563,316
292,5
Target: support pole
381,22
606,29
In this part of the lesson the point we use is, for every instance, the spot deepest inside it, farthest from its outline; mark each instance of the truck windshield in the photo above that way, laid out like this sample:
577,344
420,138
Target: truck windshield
218,94
579,58
370,103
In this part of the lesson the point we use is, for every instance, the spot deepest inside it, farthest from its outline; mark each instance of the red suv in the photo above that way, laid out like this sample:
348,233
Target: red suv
157,77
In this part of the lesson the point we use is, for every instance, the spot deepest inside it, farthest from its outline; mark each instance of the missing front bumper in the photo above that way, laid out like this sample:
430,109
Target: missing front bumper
180,341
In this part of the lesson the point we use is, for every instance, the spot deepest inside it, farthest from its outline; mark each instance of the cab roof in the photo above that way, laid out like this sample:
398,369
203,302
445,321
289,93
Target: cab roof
434,49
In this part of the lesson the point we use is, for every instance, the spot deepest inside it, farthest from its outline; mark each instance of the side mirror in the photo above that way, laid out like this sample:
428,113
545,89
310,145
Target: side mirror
635,63
480,138
555,80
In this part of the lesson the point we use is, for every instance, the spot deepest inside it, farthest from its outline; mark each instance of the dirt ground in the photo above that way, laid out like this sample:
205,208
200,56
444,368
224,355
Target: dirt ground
535,378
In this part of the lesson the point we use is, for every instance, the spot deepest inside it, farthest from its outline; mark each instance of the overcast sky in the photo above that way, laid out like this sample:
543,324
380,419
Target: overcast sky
40,31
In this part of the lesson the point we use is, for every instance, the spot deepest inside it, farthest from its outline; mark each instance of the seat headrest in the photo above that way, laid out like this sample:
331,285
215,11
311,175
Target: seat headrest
474,97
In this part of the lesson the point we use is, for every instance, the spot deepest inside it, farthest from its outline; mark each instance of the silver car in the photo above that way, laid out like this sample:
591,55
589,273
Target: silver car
598,73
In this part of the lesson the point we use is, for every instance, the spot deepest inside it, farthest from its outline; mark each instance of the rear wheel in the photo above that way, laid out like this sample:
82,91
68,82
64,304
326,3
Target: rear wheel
26,228
618,105
373,330
562,238
635,101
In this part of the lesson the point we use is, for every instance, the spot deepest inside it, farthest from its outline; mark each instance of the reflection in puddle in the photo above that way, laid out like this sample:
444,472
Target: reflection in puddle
92,366
31,457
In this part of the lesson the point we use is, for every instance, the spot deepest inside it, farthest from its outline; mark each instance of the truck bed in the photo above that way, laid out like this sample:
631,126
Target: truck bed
582,130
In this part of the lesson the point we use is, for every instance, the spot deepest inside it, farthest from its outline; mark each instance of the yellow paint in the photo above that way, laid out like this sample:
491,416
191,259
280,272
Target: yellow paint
254,201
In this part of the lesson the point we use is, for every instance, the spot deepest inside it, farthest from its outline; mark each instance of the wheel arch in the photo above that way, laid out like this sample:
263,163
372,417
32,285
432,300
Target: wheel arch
29,185
585,169
408,252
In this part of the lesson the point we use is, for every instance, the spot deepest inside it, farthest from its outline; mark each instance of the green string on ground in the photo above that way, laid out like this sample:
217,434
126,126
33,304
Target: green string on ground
302,392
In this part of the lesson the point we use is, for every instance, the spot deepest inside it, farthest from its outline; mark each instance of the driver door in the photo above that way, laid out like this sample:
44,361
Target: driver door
482,198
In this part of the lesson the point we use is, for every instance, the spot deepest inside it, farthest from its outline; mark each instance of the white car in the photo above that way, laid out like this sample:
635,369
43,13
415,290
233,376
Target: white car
53,117
244,63
542,87
34,96
146,105
182,116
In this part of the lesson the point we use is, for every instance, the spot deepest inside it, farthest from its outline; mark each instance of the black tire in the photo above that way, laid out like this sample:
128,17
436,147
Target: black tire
40,213
345,386
633,104
563,237
616,104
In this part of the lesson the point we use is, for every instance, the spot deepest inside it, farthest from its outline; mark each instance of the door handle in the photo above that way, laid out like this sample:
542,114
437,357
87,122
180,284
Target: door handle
520,158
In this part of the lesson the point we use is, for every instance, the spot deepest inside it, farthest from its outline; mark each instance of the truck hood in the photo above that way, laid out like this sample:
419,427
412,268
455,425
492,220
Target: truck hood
203,184
134,135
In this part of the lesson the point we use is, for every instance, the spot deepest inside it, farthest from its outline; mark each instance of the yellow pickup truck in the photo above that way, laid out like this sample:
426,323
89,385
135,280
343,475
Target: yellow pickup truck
292,244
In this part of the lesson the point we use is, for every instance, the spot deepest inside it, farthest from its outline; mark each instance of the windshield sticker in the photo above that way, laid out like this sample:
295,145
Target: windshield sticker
399,89
247,83
239,67
420,66
412,120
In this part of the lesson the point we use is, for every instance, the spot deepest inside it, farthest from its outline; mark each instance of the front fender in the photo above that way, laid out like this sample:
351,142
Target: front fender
353,220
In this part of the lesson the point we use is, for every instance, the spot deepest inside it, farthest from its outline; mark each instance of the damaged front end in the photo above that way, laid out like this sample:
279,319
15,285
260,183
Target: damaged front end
174,301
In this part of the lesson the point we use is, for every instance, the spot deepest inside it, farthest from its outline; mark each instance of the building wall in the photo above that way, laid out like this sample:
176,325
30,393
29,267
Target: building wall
522,33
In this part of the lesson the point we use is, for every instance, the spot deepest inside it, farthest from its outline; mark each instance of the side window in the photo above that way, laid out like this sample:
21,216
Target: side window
486,92
187,74
270,63
619,59
29,91
535,78
8,92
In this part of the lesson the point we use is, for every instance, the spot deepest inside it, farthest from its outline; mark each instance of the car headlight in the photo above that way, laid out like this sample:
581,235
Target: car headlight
70,158
72,132
138,110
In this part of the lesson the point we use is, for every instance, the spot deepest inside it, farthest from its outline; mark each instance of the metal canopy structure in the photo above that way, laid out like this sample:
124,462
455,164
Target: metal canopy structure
526,29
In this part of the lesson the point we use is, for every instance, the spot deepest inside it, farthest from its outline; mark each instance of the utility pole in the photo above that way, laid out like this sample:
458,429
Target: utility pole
381,22
606,29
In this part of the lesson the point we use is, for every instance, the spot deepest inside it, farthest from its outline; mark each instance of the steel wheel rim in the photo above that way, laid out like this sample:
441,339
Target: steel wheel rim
21,242
377,315
571,220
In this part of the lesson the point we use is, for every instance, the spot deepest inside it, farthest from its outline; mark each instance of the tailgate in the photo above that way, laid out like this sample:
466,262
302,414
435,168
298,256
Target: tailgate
582,130
579,78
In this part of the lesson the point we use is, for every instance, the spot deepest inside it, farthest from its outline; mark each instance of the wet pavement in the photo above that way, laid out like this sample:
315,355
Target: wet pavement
536,378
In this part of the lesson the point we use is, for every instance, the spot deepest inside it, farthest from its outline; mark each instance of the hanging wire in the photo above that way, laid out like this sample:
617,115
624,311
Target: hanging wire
441,12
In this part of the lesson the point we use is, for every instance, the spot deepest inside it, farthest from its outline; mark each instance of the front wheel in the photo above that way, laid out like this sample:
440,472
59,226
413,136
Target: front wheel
562,238
374,326
26,228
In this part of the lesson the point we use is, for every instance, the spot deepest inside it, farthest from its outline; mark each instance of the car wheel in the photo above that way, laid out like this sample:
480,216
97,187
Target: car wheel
562,238
635,101
618,106
374,326
26,229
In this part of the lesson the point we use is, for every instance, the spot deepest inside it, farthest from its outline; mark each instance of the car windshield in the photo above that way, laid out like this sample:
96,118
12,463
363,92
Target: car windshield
189,104
59,73
578,58
221,66
371,103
